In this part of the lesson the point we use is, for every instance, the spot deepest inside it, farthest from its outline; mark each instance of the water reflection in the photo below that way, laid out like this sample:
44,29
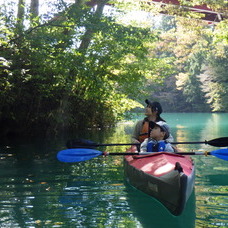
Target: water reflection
197,127
97,199
211,187
38,191
152,213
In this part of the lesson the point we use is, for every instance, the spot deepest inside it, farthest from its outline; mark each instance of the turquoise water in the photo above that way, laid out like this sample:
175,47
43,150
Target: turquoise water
39,191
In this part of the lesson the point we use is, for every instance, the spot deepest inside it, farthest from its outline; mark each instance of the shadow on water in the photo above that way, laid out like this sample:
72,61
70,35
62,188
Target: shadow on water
152,213
218,179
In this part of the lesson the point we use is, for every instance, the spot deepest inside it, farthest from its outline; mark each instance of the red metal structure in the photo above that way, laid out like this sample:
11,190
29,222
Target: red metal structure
207,13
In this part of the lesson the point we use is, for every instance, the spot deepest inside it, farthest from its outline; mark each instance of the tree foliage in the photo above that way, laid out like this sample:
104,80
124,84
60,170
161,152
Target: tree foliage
200,58
78,69
81,65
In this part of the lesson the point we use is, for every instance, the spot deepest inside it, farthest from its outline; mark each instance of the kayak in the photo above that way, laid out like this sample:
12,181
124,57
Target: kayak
168,177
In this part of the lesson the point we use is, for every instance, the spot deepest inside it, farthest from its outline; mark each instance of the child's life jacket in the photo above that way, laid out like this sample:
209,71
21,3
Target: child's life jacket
156,147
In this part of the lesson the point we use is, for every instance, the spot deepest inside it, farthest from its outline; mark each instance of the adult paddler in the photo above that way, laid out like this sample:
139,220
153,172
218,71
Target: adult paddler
152,112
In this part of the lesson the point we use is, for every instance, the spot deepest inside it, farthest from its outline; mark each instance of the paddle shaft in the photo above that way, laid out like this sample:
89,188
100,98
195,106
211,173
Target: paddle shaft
179,153
203,142
83,154
81,143
137,144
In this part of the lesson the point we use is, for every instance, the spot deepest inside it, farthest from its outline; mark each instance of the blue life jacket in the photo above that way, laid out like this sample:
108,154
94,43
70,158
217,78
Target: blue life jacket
156,147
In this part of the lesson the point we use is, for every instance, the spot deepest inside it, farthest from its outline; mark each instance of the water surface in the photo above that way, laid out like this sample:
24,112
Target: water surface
39,191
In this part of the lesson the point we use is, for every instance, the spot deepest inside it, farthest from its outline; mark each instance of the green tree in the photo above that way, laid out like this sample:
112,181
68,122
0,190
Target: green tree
192,45
215,75
80,69
200,51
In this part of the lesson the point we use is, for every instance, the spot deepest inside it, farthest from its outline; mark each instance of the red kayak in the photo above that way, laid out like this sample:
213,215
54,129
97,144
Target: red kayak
168,177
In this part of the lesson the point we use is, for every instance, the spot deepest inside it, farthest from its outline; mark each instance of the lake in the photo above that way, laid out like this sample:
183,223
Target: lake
39,191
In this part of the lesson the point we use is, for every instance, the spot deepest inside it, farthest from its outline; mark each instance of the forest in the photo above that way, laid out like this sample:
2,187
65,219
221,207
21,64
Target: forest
82,64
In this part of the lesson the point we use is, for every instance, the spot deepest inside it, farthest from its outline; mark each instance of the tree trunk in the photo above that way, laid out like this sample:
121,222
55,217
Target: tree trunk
34,8
20,13
86,39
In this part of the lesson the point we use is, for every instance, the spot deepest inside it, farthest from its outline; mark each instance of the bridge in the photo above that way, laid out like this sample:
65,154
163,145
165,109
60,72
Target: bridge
204,11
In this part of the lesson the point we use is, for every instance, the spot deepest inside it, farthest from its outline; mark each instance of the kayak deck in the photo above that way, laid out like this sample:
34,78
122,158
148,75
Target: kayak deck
162,163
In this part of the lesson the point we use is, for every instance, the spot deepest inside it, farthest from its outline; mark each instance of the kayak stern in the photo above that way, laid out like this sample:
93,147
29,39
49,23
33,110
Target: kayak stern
165,176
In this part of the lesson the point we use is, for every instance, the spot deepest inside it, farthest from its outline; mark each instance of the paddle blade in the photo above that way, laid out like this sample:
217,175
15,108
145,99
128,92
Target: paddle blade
219,142
221,153
77,155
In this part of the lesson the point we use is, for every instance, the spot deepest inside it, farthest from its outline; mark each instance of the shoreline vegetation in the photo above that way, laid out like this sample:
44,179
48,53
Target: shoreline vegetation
81,65
45,131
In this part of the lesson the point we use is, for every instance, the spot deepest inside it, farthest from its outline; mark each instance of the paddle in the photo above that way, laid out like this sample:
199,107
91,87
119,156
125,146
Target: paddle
83,143
82,154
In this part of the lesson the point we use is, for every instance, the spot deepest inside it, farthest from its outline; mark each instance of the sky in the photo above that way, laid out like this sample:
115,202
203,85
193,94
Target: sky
140,17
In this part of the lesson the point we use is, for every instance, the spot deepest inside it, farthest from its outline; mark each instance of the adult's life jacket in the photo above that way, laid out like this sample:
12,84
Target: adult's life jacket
156,147
144,133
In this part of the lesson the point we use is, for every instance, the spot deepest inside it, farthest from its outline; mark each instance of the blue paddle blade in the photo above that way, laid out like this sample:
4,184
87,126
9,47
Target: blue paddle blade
77,155
221,153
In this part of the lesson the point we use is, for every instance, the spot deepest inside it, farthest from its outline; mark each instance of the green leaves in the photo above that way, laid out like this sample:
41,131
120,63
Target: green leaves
80,69
85,67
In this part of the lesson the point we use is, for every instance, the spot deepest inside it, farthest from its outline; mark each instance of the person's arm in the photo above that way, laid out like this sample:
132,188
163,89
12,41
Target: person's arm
169,148
143,146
